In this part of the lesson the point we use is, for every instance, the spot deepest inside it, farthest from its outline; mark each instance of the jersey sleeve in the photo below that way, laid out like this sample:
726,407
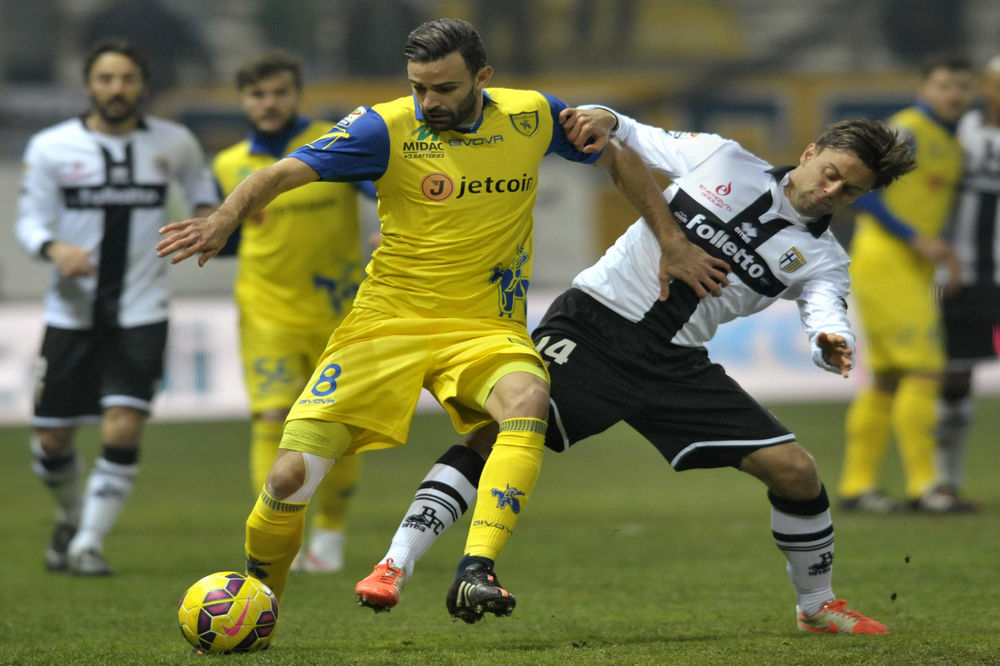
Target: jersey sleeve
560,144
670,153
38,202
823,309
356,148
200,186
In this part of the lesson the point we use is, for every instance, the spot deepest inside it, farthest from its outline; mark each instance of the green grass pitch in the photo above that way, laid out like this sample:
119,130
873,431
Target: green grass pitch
617,560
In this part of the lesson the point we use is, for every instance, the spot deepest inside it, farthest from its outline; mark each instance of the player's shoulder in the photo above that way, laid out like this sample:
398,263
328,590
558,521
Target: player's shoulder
509,98
166,128
59,132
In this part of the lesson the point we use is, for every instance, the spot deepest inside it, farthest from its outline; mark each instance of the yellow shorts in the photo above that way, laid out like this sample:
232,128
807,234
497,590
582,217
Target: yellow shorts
277,362
900,317
375,365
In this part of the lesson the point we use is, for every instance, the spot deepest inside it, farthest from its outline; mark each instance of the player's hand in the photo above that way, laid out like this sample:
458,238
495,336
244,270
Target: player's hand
941,253
836,352
204,235
692,265
71,260
588,129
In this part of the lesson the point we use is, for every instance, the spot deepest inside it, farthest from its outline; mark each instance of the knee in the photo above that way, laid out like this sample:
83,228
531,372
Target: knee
55,441
798,477
286,476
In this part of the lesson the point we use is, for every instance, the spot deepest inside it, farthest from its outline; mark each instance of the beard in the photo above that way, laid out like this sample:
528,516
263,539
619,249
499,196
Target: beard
444,120
125,112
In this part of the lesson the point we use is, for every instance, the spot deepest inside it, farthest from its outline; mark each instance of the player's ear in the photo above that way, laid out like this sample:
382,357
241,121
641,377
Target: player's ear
810,152
483,77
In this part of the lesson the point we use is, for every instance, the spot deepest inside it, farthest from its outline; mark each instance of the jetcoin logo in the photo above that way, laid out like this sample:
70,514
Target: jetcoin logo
437,186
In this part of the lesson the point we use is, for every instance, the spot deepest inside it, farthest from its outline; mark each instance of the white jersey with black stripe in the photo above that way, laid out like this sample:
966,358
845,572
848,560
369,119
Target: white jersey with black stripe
975,227
732,204
108,194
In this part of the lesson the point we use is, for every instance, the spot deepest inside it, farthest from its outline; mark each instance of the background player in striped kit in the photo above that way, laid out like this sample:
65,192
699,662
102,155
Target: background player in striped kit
94,195
299,269
615,353
971,314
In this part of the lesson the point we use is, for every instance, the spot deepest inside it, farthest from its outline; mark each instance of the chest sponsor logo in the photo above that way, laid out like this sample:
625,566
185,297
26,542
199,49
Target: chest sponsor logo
791,260
424,143
437,186
440,186
714,195
525,122
137,196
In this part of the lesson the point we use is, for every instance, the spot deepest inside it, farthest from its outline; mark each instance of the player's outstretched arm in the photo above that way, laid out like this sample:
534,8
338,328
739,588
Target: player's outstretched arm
836,352
207,235
680,258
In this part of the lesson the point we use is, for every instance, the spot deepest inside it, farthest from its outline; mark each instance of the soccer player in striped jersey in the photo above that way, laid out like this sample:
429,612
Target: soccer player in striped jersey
455,165
299,267
94,195
648,356
896,246
971,313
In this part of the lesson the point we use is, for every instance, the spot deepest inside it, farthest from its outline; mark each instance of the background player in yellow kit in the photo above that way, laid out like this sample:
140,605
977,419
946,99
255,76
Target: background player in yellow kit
443,307
299,269
894,251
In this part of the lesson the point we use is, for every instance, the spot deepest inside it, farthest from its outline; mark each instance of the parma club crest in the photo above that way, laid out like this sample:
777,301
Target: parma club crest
525,122
791,260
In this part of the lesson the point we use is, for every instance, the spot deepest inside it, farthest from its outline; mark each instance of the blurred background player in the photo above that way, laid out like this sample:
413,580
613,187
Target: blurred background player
972,312
616,354
94,195
299,269
444,302
896,246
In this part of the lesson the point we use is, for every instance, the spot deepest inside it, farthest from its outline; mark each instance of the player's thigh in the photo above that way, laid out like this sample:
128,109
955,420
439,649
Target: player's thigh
132,359
67,379
699,417
277,363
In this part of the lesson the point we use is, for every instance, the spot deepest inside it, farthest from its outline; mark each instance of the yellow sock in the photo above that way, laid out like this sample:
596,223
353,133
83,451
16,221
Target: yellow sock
265,436
867,431
274,534
334,494
914,418
505,485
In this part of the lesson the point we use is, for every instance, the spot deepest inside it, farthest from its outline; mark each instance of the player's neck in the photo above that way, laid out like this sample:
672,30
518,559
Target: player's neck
95,122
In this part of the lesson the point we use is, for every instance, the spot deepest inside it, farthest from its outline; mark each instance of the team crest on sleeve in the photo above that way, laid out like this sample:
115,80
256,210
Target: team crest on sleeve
349,119
525,122
791,260
512,285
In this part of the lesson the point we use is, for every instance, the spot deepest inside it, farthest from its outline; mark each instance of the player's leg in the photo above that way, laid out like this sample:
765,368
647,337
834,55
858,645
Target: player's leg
868,429
108,488
443,496
275,526
956,409
65,388
914,420
803,530
519,403
326,531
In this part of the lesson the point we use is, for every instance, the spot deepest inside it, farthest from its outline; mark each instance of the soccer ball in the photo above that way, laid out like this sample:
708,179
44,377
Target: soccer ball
228,612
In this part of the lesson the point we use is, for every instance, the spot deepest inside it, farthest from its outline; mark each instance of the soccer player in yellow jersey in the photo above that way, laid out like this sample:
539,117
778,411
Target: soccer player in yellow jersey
895,248
299,269
455,166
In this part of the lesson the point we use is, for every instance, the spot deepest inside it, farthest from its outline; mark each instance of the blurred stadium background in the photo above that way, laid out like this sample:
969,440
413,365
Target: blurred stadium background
769,73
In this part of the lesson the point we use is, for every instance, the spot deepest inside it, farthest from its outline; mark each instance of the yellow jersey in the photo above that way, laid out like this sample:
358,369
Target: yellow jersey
455,206
921,200
299,259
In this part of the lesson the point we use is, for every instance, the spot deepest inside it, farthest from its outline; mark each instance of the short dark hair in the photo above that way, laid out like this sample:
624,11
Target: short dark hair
121,46
267,65
951,61
436,39
874,142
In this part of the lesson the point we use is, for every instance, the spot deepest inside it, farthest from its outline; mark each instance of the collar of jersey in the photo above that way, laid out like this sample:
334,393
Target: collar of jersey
817,226
418,113
926,110
276,145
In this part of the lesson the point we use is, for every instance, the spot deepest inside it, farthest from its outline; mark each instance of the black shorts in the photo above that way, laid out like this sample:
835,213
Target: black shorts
606,369
971,323
82,372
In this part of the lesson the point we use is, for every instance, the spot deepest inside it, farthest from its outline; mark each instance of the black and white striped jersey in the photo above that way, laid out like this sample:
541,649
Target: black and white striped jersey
731,203
108,194
973,230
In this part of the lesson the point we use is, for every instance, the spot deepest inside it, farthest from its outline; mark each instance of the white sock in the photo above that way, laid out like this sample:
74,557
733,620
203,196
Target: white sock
63,475
108,487
807,542
954,417
443,496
